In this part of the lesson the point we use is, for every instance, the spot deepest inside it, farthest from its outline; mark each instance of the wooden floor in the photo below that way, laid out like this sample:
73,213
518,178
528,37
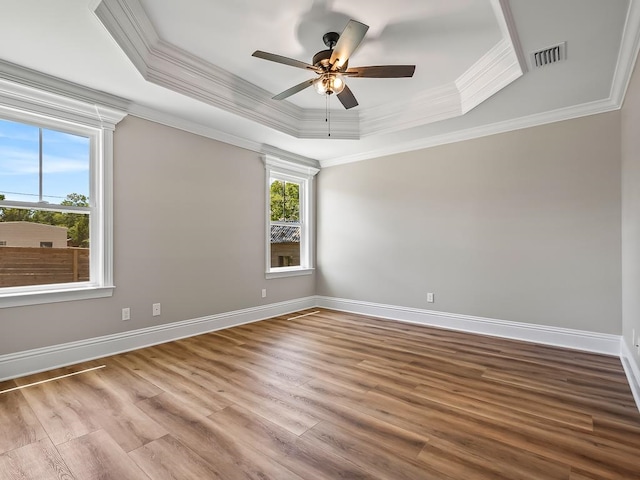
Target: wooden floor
326,396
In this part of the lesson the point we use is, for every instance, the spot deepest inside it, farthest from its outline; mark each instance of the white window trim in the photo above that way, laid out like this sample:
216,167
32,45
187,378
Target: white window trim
305,175
28,104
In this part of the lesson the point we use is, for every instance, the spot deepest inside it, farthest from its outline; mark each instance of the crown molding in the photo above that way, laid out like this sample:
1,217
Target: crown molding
180,123
507,25
181,72
495,70
315,124
25,90
131,29
27,77
499,67
295,167
591,108
173,121
629,47
170,67
309,165
433,105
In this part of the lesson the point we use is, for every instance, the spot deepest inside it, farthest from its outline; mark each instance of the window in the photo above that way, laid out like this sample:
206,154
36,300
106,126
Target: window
55,197
289,220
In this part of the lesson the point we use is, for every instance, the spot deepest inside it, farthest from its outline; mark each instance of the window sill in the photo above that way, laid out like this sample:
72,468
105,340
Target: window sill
289,272
23,298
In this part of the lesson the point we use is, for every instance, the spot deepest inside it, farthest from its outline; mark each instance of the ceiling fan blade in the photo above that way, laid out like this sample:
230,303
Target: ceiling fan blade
349,40
382,71
347,98
295,89
284,60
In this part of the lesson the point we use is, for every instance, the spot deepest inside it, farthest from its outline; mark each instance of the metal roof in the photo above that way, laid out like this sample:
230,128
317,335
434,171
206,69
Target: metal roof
285,233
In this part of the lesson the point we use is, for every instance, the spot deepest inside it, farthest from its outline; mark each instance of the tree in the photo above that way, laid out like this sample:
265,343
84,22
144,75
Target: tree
285,201
15,214
76,200
77,224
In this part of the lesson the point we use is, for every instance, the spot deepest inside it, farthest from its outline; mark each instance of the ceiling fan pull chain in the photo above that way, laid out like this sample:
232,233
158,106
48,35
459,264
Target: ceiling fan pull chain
326,107
329,114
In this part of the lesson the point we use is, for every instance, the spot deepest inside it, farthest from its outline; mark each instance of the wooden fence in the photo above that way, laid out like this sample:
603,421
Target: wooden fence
20,266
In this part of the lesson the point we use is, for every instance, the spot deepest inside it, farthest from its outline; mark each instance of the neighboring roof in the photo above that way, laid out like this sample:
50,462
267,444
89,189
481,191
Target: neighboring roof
32,226
285,234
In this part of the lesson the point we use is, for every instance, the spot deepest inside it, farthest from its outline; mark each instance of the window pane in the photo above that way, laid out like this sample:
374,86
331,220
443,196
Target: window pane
64,170
285,246
285,201
19,147
40,248
65,167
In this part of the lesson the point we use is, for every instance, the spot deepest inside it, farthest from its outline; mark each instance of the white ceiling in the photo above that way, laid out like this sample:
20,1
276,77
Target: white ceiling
189,64
401,35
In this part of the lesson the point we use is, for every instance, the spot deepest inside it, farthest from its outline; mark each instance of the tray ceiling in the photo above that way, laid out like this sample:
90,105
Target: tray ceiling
188,64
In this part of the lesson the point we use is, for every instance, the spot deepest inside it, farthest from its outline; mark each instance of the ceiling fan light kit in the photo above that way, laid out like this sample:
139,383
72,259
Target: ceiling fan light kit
332,65
329,83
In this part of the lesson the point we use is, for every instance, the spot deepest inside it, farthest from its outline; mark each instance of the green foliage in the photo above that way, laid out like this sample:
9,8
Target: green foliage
77,225
285,201
15,215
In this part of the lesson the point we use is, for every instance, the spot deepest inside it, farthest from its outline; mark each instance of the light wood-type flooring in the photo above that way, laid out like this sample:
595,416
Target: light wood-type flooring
326,396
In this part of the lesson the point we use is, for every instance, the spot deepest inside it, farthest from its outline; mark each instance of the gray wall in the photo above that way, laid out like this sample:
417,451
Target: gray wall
522,226
631,213
189,233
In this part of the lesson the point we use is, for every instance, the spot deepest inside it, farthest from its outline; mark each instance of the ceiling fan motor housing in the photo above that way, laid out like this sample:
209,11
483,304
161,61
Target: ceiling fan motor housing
321,59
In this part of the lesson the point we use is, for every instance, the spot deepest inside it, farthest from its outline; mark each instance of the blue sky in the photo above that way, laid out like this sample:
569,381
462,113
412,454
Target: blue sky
65,163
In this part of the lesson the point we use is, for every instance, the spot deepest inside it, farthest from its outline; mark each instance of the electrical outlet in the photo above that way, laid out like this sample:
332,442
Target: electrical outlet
430,297
264,293
156,309
126,314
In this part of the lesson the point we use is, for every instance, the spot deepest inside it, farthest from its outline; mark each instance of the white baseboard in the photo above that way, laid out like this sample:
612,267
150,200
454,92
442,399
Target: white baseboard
631,369
33,361
23,363
560,337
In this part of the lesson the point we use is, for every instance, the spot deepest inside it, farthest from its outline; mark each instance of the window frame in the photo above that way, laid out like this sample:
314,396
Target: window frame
303,175
36,106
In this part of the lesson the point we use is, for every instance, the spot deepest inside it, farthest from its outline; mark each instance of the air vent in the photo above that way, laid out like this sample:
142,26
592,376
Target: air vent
549,55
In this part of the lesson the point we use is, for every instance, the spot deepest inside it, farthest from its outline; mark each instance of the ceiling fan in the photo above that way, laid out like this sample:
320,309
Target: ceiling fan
332,65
